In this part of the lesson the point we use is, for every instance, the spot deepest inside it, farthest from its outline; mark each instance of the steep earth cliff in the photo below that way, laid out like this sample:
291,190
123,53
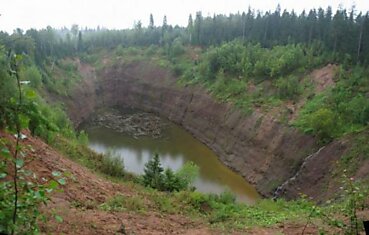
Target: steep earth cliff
257,146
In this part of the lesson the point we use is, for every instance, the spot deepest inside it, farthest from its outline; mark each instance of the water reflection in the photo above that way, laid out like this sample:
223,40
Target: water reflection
175,149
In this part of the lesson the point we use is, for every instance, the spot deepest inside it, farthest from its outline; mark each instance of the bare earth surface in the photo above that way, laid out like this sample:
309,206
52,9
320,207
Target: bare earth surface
77,203
84,188
322,79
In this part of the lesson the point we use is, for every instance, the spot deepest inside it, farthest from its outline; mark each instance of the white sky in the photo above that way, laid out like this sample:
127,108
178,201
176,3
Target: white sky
120,14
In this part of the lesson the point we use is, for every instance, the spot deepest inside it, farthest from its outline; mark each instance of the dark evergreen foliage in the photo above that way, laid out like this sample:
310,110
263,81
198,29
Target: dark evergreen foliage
345,33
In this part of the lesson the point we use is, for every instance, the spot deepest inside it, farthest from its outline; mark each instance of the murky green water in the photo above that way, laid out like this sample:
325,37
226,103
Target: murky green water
175,149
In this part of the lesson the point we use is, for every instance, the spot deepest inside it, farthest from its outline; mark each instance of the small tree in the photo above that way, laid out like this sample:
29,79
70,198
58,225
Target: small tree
153,176
20,194
169,181
323,124
151,25
80,42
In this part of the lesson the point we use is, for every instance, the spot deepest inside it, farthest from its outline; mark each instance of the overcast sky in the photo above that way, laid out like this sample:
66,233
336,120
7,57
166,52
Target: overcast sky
120,14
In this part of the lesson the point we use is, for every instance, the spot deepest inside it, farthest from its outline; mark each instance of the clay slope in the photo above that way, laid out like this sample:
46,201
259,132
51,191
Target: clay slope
78,201
262,150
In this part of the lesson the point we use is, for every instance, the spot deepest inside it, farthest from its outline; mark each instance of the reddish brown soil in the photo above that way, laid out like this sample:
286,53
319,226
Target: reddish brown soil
259,146
77,203
323,78
78,200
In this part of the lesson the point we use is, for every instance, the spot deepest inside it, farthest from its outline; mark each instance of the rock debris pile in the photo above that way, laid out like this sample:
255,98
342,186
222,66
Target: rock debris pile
134,124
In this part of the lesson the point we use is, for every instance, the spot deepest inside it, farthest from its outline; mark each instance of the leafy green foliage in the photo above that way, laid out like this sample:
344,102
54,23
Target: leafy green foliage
124,203
224,211
177,48
112,164
33,75
248,75
354,198
7,91
288,87
155,177
20,192
187,174
342,109
323,124
238,60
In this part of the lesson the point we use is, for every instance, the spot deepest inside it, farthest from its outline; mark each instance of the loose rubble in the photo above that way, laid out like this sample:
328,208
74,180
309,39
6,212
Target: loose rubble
135,124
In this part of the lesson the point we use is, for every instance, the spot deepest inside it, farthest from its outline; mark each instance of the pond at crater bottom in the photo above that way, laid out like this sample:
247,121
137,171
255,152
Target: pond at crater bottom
175,148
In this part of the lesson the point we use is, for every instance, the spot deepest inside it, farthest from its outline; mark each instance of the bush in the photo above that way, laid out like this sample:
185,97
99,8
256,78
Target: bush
112,164
33,75
155,176
226,197
288,87
323,124
177,48
170,181
124,203
119,51
187,175
83,138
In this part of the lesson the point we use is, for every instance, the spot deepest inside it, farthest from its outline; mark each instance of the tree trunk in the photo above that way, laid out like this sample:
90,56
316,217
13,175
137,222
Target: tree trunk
360,41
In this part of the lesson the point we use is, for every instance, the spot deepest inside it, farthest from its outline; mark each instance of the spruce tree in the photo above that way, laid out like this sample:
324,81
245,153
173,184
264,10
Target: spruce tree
153,176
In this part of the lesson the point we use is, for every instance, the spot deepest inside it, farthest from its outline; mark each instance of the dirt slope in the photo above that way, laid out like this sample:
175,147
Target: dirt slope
77,203
264,151
259,147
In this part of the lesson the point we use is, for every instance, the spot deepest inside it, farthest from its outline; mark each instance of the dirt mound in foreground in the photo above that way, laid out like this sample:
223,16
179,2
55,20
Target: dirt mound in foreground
78,202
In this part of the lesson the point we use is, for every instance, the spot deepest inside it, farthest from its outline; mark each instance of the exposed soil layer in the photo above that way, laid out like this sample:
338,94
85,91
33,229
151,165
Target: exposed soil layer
262,150
257,146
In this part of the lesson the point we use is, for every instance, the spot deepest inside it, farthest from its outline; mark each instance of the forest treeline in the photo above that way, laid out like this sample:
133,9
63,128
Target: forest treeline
344,33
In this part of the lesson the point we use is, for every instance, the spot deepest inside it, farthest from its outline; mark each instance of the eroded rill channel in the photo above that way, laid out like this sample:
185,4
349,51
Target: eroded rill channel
135,136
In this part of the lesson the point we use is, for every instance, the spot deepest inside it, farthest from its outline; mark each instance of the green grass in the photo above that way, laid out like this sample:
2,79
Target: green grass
124,203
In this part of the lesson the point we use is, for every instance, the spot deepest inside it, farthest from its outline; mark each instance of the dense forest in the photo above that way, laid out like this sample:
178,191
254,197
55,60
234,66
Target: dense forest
273,51
344,33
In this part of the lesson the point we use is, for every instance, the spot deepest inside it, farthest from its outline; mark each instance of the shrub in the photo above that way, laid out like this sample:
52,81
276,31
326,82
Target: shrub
187,175
155,176
119,51
112,164
170,181
124,203
33,75
177,48
227,197
288,87
83,138
323,123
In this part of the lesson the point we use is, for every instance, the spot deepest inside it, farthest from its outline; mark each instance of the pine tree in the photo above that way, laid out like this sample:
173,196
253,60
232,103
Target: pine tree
80,42
190,28
151,25
153,176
